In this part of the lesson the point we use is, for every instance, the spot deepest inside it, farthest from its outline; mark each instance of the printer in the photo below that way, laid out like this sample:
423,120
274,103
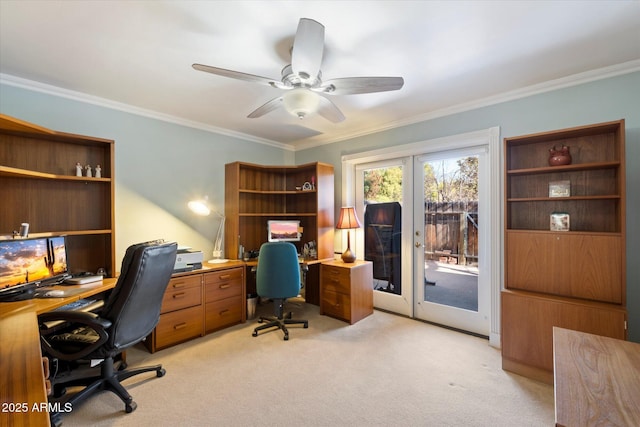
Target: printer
187,260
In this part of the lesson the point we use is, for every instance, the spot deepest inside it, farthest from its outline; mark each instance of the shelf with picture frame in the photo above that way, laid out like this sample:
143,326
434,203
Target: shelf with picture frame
572,273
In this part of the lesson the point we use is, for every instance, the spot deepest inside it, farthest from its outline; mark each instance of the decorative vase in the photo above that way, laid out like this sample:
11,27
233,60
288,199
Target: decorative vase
559,157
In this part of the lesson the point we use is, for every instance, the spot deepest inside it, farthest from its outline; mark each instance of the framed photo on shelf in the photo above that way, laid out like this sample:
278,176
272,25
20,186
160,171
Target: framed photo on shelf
560,221
560,188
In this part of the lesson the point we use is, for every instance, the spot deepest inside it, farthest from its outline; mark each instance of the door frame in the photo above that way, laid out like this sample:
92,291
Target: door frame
489,137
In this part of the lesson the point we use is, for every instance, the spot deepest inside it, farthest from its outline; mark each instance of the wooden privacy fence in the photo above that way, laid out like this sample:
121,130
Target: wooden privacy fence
451,231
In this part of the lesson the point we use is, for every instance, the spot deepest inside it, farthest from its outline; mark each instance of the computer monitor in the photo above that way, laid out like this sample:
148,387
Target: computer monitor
27,263
283,230
58,255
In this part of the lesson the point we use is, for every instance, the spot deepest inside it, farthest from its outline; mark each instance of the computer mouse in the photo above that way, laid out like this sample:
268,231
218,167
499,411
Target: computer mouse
55,293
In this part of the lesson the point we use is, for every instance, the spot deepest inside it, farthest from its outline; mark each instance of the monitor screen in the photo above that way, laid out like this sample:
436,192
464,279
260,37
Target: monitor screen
29,261
58,255
283,231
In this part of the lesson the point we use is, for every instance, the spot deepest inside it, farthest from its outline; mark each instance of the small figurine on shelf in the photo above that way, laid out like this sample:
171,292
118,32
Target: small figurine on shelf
78,169
313,182
98,172
88,169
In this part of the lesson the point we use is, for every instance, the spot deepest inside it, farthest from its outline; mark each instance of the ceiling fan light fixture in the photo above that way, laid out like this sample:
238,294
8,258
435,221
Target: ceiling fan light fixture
300,102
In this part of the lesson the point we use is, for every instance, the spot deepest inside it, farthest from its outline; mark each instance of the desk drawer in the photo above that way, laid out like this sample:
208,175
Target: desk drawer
178,326
182,293
336,304
222,284
222,313
335,279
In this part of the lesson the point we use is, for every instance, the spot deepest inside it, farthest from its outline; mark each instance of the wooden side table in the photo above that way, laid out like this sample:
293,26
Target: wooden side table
346,289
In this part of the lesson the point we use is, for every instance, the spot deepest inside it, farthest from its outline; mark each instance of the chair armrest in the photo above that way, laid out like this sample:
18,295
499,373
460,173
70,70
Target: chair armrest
76,319
84,317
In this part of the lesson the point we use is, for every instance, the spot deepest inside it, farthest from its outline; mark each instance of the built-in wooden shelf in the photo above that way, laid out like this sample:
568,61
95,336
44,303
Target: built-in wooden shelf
573,279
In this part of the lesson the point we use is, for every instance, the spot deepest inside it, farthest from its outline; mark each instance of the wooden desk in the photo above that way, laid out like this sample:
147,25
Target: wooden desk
21,372
596,379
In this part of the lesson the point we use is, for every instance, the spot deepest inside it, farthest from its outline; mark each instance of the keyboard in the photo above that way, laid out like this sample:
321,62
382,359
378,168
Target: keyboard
85,304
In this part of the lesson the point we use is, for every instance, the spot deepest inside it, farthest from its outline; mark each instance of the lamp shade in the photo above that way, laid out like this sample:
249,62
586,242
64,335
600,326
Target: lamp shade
348,219
199,207
300,102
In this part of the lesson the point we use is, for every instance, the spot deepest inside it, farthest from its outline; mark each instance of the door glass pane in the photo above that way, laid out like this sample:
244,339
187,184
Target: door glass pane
451,232
382,225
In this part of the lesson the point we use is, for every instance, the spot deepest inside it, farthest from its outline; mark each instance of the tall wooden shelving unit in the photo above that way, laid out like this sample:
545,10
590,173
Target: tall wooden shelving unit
573,279
255,194
38,185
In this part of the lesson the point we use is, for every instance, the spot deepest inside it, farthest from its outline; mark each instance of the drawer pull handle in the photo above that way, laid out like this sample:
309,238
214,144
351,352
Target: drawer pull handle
223,312
178,295
178,285
225,286
225,276
180,326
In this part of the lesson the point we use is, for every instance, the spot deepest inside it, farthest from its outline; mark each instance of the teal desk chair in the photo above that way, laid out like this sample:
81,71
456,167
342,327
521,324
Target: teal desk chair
278,278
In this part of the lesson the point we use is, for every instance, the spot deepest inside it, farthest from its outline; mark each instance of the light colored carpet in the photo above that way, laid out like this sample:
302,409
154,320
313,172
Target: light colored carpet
385,370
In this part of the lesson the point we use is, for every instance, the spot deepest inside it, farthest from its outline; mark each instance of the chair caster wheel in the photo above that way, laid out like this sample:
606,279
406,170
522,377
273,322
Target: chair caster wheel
161,372
130,407
286,337
306,326
255,334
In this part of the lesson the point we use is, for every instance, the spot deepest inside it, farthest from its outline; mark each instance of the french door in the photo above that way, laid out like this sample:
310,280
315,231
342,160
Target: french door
444,265
381,195
450,226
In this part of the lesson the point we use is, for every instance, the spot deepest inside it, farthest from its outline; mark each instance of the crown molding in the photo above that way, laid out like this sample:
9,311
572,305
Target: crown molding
35,86
548,86
551,85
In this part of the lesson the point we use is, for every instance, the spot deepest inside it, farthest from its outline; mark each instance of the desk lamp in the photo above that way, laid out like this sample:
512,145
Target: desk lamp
348,220
201,207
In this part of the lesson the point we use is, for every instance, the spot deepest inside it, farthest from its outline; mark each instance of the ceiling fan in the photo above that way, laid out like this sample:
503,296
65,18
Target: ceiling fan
302,79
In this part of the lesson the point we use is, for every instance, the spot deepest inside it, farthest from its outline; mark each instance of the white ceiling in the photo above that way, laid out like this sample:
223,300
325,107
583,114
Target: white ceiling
137,55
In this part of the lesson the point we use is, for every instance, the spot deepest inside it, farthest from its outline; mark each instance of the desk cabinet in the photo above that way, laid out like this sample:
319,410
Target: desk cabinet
224,298
199,302
181,313
346,290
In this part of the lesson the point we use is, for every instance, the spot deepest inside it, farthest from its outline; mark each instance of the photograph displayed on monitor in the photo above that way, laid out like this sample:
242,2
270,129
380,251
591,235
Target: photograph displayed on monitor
29,261
283,230
58,251
23,261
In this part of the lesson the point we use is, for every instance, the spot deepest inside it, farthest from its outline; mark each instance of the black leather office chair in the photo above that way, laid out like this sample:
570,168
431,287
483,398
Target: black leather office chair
129,314
278,278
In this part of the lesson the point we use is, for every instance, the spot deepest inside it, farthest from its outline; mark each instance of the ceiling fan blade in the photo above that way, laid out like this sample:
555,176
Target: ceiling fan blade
238,75
355,85
266,108
330,111
308,48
